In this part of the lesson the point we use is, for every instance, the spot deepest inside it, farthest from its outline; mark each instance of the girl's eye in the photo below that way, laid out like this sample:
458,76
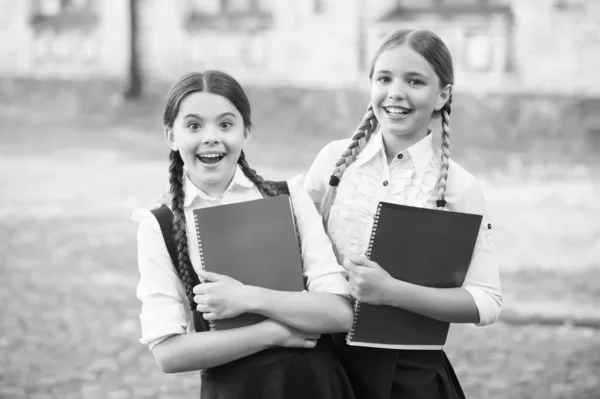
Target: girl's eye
415,82
383,79
194,126
226,125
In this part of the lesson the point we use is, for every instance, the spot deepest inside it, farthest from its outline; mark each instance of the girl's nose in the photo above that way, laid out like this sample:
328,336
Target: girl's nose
210,136
396,90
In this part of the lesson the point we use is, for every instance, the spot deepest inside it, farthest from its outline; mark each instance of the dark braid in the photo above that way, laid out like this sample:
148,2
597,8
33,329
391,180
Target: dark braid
359,140
184,266
266,188
443,178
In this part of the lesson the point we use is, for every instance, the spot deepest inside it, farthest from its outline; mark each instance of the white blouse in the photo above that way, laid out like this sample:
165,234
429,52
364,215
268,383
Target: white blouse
165,309
410,179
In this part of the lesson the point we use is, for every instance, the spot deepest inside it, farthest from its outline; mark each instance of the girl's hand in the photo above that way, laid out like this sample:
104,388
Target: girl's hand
220,297
367,280
290,337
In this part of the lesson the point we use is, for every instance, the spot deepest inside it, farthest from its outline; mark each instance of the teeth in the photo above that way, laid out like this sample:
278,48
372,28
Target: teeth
211,155
397,110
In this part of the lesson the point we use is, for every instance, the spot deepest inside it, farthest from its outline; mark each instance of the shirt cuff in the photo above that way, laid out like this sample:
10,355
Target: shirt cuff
333,283
161,324
488,305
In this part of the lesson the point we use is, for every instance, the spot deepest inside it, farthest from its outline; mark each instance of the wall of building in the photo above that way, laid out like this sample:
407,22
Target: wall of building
547,46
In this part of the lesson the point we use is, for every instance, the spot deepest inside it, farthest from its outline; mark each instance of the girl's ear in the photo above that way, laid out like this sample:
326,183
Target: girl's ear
170,138
443,97
247,136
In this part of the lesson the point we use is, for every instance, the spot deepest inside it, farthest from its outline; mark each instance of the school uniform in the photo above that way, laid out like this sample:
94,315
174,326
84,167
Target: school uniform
273,373
410,179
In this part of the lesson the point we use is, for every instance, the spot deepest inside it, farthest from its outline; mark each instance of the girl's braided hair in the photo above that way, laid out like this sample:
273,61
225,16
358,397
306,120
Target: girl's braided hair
215,82
433,49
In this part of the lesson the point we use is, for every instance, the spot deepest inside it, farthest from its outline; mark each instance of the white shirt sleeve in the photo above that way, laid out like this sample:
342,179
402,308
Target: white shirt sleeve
317,177
321,268
483,278
164,304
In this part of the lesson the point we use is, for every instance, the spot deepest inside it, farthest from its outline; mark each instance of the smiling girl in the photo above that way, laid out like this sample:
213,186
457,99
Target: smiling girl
207,125
411,82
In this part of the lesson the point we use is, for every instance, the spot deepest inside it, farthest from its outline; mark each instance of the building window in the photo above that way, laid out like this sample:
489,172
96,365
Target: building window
229,15
216,7
478,51
318,6
61,15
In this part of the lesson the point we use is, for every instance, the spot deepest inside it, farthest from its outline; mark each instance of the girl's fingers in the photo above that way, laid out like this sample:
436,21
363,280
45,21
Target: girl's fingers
348,265
200,289
309,344
200,299
209,316
313,336
211,276
202,308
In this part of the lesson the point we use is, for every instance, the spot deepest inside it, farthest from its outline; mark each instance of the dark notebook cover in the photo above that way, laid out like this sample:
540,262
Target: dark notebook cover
254,242
422,246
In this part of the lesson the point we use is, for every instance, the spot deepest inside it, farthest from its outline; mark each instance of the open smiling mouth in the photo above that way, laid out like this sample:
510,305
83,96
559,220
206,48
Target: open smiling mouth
397,111
210,159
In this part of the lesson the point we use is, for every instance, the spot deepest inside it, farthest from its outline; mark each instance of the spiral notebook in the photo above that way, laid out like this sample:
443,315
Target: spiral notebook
254,242
422,246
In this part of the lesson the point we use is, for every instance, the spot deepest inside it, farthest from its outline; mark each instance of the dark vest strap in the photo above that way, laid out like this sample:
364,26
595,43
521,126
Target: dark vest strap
282,186
164,216
285,189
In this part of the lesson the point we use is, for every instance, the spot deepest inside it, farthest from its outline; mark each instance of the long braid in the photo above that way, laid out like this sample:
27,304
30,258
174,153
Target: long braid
442,180
359,140
184,266
266,188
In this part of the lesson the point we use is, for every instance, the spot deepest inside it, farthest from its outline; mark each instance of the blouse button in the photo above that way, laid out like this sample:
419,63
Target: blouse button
385,183
400,156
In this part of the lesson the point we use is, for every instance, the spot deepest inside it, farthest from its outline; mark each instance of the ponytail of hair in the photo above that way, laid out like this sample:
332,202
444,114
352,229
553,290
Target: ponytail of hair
184,266
446,131
358,142
266,188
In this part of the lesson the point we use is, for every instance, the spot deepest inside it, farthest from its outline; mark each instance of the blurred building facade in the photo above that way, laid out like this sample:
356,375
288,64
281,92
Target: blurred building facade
531,46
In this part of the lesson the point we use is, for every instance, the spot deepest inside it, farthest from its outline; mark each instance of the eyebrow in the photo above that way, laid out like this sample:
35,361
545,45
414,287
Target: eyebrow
412,73
224,114
416,74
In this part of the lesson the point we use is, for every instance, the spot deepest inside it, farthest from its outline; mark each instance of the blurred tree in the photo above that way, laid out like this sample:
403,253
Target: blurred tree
134,78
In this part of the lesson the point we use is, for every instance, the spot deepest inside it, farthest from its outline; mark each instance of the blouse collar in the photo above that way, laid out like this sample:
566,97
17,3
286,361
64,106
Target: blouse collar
420,153
192,191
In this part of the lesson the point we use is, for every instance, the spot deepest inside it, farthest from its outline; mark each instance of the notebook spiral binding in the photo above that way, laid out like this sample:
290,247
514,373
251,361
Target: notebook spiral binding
350,334
211,324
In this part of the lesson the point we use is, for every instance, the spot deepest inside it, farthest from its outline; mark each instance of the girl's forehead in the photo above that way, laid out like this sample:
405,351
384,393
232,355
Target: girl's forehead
403,59
207,105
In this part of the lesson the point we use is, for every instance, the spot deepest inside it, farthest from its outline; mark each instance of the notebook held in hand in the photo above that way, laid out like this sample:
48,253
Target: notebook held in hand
422,246
254,242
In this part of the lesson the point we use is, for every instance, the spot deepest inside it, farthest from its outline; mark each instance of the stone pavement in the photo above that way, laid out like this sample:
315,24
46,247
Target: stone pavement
68,326
69,317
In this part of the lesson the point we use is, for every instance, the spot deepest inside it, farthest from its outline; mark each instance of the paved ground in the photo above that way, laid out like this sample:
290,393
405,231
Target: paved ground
69,328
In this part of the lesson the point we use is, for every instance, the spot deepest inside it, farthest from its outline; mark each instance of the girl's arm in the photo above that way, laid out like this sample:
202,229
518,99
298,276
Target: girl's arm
478,301
196,351
323,309
370,283
221,297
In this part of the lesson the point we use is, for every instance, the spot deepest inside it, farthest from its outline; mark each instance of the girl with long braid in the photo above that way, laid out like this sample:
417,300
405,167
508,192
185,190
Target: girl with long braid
391,157
207,124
